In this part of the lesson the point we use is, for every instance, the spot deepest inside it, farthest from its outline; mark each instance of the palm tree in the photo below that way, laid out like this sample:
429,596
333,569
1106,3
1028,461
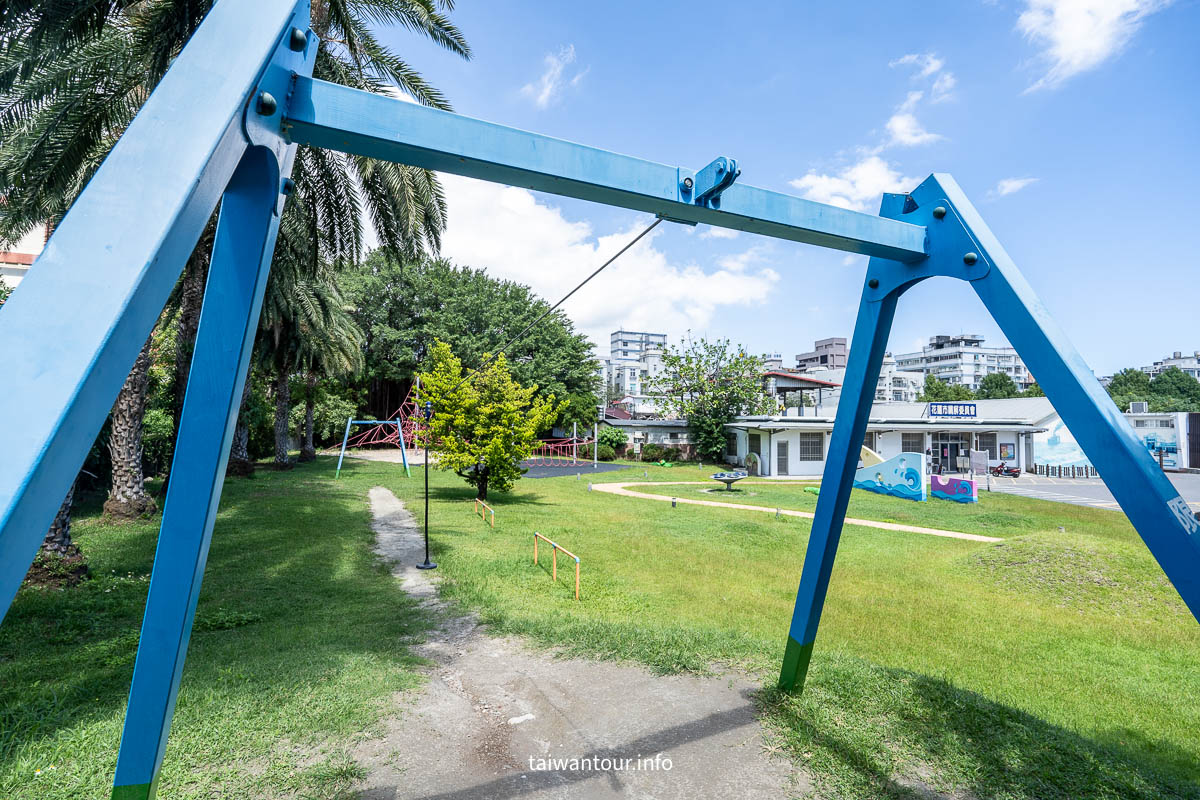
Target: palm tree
72,75
332,352
304,328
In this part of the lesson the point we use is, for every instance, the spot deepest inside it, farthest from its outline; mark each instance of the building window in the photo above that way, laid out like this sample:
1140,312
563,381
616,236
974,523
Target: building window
987,441
912,442
781,458
1166,423
756,444
869,440
811,447
1139,423
731,444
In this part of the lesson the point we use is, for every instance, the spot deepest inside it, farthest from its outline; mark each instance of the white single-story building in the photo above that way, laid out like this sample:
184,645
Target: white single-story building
795,445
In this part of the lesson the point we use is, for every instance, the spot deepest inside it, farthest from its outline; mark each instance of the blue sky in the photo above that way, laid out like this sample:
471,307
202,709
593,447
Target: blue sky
1072,124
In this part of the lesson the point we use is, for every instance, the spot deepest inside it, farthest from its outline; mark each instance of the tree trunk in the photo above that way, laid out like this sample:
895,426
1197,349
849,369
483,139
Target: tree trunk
283,405
239,453
128,499
191,299
307,451
58,538
481,483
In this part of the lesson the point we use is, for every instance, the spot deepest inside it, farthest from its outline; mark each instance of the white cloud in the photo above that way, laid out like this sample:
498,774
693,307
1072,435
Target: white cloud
857,187
1012,185
926,63
546,89
943,87
1079,35
514,235
903,127
718,233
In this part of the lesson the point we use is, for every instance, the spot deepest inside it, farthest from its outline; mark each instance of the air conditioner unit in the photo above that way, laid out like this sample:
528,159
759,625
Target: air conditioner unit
1139,408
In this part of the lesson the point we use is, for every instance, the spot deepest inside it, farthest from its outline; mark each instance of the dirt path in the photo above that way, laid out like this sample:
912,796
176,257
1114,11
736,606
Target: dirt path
495,710
619,488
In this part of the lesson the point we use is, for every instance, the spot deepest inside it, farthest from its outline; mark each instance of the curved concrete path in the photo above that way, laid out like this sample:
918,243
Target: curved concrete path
619,488
499,720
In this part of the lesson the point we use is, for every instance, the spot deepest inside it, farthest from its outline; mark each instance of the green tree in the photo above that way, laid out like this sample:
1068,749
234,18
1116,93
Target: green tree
710,384
1130,382
936,390
612,437
304,328
74,73
404,306
1034,390
997,386
1174,382
483,427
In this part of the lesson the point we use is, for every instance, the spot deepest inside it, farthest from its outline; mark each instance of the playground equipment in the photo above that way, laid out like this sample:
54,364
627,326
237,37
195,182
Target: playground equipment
482,508
229,134
559,453
564,452
554,568
376,426
398,430
729,478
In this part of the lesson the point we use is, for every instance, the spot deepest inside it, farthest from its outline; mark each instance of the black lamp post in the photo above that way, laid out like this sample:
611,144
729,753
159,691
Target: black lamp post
428,416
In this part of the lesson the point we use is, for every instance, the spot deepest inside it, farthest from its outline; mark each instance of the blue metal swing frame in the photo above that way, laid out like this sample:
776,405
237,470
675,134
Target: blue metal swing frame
223,125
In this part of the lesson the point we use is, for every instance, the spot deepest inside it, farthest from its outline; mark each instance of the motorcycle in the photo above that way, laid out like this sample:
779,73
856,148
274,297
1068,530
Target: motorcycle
1004,471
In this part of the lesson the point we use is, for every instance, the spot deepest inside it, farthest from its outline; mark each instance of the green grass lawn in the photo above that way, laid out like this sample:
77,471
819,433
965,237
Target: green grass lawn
300,638
1050,665
1053,664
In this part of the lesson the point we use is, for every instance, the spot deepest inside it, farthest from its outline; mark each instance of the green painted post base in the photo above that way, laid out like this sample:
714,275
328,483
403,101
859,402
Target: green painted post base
140,791
795,665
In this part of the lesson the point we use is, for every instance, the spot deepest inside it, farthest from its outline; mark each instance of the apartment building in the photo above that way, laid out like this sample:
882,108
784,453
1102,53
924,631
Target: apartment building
1189,364
965,360
826,354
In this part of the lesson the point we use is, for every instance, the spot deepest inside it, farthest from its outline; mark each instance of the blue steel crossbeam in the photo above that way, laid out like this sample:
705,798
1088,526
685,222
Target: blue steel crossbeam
339,118
225,122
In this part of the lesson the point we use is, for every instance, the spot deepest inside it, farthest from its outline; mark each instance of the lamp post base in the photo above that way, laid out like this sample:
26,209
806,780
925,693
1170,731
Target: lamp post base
427,565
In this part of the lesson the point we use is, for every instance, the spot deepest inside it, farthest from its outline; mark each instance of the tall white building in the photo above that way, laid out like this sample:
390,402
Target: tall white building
1189,364
894,385
964,360
635,359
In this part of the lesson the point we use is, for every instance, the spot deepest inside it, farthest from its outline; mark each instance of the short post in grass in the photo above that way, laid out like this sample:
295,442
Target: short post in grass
428,416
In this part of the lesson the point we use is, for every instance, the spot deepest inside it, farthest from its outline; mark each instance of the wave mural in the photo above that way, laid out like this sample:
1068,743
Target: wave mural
960,490
899,476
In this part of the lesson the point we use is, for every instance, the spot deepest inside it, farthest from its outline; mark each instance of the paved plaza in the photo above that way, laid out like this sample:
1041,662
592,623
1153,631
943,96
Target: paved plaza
1084,491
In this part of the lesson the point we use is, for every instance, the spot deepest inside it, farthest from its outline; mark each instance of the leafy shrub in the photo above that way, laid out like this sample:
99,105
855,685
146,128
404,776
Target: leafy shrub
671,453
653,452
606,453
613,437
158,437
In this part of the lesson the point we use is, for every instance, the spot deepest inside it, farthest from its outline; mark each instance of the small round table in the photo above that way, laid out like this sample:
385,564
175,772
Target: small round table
729,479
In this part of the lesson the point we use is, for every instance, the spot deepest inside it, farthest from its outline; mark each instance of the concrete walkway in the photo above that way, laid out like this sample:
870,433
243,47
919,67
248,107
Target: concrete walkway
619,489
496,712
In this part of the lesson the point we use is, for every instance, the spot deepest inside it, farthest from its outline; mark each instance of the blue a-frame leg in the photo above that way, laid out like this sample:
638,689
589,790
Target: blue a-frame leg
241,260
960,245
226,119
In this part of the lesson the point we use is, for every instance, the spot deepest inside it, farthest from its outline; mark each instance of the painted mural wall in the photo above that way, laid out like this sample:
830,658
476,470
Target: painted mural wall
899,476
1156,432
